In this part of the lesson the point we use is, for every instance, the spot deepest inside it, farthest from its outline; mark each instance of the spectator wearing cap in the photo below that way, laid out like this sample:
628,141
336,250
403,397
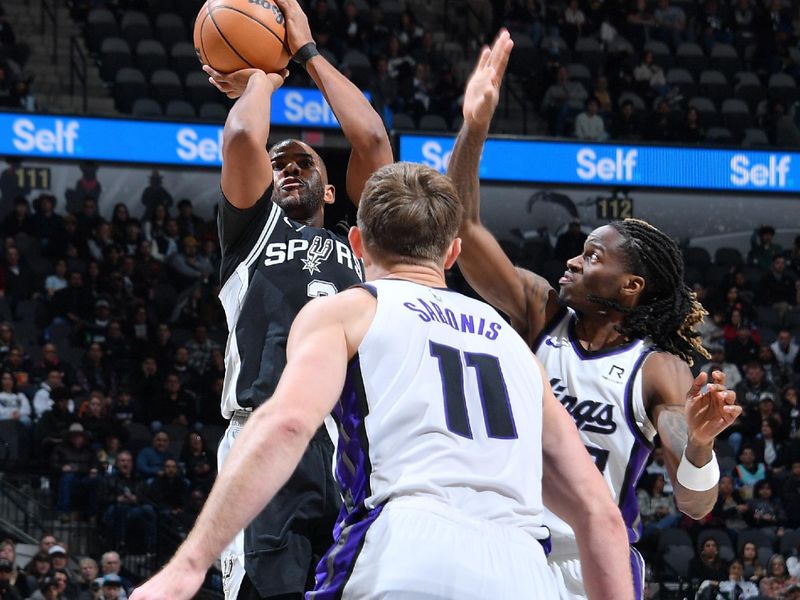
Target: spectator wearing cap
188,266
8,591
124,504
111,587
54,423
718,363
762,248
17,578
570,242
75,465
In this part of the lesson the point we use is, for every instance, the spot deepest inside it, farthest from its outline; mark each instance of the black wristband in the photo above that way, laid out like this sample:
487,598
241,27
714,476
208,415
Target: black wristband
305,53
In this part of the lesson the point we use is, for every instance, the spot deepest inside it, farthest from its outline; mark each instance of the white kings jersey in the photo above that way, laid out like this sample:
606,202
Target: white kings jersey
442,400
603,392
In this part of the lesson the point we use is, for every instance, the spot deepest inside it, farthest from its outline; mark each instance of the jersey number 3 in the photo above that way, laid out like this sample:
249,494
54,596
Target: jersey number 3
494,396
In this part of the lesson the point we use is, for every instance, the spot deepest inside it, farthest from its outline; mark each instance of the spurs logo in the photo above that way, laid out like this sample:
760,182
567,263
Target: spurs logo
318,251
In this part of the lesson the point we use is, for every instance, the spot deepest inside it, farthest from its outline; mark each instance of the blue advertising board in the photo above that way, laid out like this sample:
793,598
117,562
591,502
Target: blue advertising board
623,165
136,141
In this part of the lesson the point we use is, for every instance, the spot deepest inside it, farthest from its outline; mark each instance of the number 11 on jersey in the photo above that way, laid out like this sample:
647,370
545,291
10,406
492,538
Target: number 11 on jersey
497,413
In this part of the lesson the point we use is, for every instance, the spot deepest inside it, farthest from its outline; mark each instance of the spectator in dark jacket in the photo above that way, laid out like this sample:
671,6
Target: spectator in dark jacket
169,490
124,504
75,465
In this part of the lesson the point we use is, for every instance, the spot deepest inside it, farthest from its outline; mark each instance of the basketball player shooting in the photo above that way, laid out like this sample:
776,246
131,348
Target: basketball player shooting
276,256
449,433
616,342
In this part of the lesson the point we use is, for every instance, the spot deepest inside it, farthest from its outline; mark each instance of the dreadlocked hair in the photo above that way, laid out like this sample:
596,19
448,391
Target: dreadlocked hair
668,310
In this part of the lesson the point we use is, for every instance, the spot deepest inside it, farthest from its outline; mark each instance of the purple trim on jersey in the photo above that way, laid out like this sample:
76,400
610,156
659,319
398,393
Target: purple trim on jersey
585,354
628,400
334,569
548,328
628,503
353,469
637,569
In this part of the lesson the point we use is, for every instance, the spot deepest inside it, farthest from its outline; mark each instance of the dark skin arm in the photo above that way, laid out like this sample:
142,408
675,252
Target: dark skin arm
528,299
691,421
361,125
246,166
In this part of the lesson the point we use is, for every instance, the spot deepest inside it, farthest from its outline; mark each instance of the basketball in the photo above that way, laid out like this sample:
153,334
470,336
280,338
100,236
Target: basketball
230,35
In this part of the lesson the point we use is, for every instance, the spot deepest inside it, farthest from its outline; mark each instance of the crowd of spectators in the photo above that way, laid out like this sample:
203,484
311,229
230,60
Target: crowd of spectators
111,364
759,454
52,573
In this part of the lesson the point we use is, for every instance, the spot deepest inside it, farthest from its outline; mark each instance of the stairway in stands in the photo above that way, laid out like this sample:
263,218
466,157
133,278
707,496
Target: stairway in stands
51,70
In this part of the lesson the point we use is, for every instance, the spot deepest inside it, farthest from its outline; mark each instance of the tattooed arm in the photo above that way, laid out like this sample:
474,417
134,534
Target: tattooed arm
527,299
687,419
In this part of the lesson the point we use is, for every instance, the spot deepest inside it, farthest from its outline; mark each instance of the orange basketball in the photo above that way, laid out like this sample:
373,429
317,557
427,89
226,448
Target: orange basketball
238,34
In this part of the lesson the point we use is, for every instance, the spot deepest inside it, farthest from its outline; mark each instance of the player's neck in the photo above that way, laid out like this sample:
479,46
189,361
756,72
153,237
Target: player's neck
422,274
596,332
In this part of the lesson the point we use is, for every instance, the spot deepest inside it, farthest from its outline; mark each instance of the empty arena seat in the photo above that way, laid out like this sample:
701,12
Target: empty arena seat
690,56
736,115
129,84
183,59
580,73
432,123
705,107
146,107
754,137
729,257
100,24
150,56
724,58
135,27
713,84
170,29
212,111
115,54
589,51
661,53
403,121
635,98
165,85
721,136
782,87
682,79
199,90
748,87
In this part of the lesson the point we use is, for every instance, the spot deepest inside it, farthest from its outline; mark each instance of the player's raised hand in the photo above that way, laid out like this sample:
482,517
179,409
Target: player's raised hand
483,88
298,32
176,581
709,413
234,84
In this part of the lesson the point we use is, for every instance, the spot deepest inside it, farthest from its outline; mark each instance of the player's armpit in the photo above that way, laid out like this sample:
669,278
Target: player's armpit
574,489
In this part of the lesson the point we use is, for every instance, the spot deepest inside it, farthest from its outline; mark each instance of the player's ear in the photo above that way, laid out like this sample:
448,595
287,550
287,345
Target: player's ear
452,253
356,243
632,286
329,195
